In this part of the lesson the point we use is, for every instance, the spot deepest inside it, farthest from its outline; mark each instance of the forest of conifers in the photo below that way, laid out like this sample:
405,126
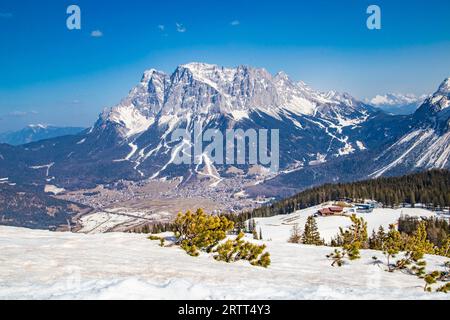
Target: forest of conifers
431,188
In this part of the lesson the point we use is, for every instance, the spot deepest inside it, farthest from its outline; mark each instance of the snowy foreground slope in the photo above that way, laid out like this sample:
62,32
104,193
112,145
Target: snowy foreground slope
45,265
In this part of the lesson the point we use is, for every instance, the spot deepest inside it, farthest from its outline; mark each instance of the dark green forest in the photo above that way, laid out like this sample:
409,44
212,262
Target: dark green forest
431,188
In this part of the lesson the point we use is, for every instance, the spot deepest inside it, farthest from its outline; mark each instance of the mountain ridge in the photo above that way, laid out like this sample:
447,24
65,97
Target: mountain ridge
36,132
323,136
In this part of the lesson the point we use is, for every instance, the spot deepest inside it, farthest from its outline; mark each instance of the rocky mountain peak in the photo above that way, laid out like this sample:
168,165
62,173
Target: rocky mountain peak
201,89
436,103
444,88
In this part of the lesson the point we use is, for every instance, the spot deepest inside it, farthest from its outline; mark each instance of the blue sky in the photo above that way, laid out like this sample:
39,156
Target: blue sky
52,75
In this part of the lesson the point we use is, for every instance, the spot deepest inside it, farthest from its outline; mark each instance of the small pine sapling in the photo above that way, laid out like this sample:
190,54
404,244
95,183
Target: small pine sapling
311,233
392,246
255,234
337,256
352,240
296,236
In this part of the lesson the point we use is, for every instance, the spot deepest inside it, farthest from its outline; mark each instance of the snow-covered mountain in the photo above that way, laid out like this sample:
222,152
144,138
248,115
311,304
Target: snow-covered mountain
199,90
242,97
397,103
36,132
323,136
427,144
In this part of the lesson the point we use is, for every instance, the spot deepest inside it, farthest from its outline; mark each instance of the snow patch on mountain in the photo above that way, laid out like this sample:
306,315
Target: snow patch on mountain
45,166
438,153
422,137
130,120
38,126
53,189
360,145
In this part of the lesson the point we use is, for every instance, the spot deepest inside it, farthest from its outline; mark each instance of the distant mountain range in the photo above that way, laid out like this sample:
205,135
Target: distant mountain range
397,104
36,132
324,137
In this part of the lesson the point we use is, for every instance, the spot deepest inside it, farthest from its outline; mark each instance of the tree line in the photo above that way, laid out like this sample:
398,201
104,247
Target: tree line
431,188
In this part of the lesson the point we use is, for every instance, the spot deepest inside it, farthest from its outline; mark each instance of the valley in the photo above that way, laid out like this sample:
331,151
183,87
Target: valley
128,205
125,167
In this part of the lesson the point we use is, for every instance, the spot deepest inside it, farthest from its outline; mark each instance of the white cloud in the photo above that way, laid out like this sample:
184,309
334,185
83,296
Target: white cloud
235,23
96,34
180,27
161,27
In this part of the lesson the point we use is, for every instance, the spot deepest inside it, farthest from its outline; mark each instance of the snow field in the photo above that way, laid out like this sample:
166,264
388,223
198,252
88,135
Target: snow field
46,265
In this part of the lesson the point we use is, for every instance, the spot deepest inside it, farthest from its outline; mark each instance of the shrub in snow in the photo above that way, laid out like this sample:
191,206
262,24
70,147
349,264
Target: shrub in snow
431,279
445,288
351,240
200,231
337,256
414,248
419,241
160,239
392,246
238,249
438,277
445,249
264,261
296,236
